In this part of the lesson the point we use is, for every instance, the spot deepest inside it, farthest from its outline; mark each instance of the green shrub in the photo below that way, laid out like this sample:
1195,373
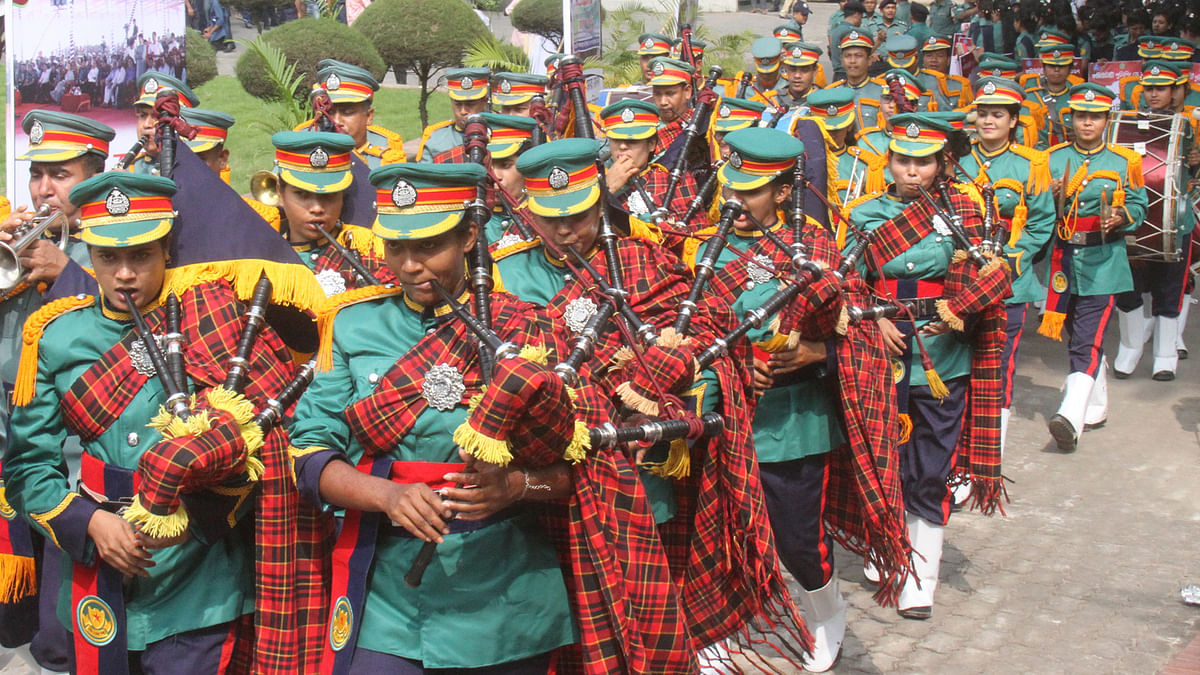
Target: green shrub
421,36
305,42
542,17
201,59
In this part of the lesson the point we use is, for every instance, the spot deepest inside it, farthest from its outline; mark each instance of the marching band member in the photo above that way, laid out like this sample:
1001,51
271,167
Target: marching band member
469,94
510,135
149,86
876,139
901,51
935,64
1102,192
855,49
651,46
799,72
853,171
767,54
514,92
734,114
1050,90
671,82
351,91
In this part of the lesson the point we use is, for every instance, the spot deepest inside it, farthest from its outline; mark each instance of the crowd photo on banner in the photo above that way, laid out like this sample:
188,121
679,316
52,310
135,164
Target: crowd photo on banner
477,355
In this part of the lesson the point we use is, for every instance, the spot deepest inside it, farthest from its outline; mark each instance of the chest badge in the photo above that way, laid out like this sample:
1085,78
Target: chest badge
332,282
141,358
443,387
760,271
578,312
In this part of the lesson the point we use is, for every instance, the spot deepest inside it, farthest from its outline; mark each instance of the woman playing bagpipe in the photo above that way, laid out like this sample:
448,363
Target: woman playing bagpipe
162,558
313,178
1023,206
550,553
912,260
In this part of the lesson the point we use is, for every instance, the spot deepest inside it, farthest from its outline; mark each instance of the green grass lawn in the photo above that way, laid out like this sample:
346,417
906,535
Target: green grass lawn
250,143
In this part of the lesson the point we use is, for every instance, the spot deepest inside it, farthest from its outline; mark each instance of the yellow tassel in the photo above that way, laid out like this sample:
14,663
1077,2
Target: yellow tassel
482,447
242,411
18,577
936,386
843,322
163,527
170,426
535,353
959,256
640,229
581,442
943,310
906,426
678,464
1052,325
31,335
635,400
1020,217
670,339
254,467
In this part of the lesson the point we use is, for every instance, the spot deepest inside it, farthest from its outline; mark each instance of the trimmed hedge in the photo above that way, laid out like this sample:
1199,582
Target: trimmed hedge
201,59
305,42
541,17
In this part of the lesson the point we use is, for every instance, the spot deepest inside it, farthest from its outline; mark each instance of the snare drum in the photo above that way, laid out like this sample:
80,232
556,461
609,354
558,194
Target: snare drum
1158,139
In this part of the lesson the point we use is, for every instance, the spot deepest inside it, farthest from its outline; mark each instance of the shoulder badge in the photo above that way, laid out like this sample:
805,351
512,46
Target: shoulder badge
443,387
36,132
508,239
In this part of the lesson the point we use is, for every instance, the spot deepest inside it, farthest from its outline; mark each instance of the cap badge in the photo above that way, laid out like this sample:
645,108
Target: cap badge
506,86
797,52
333,82
831,110
558,178
150,87
724,111
1057,53
1174,46
404,194
36,132
989,88
1089,95
443,387
735,160
1155,70
648,43
627,115
852,35
466,83
931,41
659,68
912,130
116,203
318,158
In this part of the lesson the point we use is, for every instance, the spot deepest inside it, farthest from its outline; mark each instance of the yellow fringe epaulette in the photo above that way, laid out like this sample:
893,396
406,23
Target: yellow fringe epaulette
336,304
226,175
874,181
394,153
1039,167
514,248
292,284
267,213
31,335
691,246
868,130
362,240
5,207
1060,146
841,226
1133,166
427,133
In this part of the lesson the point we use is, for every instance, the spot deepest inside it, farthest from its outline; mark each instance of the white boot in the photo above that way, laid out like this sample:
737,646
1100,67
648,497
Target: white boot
825,615
1181,347
916,600
1005,413
870,572
1166,354
1133,339
962,492
1066,424
715,660
1097,407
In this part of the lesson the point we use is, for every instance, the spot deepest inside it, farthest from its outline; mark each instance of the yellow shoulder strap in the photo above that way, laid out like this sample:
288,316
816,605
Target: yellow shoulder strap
1133,166
515,247
336,304
31,335
429,132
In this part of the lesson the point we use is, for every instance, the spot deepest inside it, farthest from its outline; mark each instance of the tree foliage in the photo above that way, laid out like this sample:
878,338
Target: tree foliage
420,36
201,59
304,42
541,17
500,56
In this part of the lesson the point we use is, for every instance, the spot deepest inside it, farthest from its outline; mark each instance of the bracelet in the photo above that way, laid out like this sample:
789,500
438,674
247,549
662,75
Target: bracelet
531,486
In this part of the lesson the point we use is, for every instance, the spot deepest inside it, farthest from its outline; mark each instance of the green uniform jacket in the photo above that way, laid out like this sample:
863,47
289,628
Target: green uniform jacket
191,586
1029,169
941,17
441,140
928,259
1102,269
1058,114
492,595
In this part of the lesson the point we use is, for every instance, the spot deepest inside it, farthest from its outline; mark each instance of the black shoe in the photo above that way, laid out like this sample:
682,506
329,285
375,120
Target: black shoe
919,613
1183,354
1164,375
1063,433
1119,375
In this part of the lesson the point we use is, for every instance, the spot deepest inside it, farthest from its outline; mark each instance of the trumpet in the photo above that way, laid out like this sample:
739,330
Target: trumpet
264,187
11,272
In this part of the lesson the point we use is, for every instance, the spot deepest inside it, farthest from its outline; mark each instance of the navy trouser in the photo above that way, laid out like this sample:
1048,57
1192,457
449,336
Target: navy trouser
927,459
1164,281
199,652
795,495
1012,343
367,661
1087,319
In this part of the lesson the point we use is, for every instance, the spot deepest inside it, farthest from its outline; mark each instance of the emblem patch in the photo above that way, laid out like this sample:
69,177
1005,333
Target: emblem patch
333,82
627,115
989,88
467,83
443,387
578,312
506,86
659,68
7,512
1058,282
559,178
940,226
1089,95
36,133
735,160
760,271
140,358
1155,70
507,240
852,35
724,111
116,203
404,194
318,158
912,130
331,282
931,41
340,624
1057,53
151,86
898,370
95,620
797,52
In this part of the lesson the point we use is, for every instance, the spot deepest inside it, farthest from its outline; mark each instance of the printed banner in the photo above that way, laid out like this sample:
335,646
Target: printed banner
1110,74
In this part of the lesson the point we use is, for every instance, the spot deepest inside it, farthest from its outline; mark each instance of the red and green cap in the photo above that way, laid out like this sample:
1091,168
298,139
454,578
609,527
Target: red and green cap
630,119
766,52
1055,54
758,156
913,90
561,177
737,113
998,91
667,71
1176,49
654,44
418,201
788,32
468,84
832,108
153,82
1159,73
935,42
994,65
917,134
507,133
212,127
517,88
1052,36
801,54
314,161
121,209
344,82
856,38
1090,97
956,120
698,47
58,136
901,51
551,63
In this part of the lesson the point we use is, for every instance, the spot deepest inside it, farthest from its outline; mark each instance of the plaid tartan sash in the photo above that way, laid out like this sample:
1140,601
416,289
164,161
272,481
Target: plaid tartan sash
332,259
909,227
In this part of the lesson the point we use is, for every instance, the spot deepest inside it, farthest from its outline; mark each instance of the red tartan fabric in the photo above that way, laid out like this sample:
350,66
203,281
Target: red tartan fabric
655,181
669,132
101,394
190,463
332,259
455,155
620,585
527,405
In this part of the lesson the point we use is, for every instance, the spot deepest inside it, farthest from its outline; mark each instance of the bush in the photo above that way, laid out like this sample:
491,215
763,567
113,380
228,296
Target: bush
541,17
421,36
305,42
201,59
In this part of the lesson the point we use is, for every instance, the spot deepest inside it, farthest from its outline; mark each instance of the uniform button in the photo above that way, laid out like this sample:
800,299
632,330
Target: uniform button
987,164
132,439
909,266
430,331
314,256
373,378
938,240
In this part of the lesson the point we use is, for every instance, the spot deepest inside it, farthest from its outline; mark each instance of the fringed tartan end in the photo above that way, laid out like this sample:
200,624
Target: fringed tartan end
242,411
944,313
959,257
630,397
482,447
843,322
18,577
581,442
162,526
1052,325
988,495
678,463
